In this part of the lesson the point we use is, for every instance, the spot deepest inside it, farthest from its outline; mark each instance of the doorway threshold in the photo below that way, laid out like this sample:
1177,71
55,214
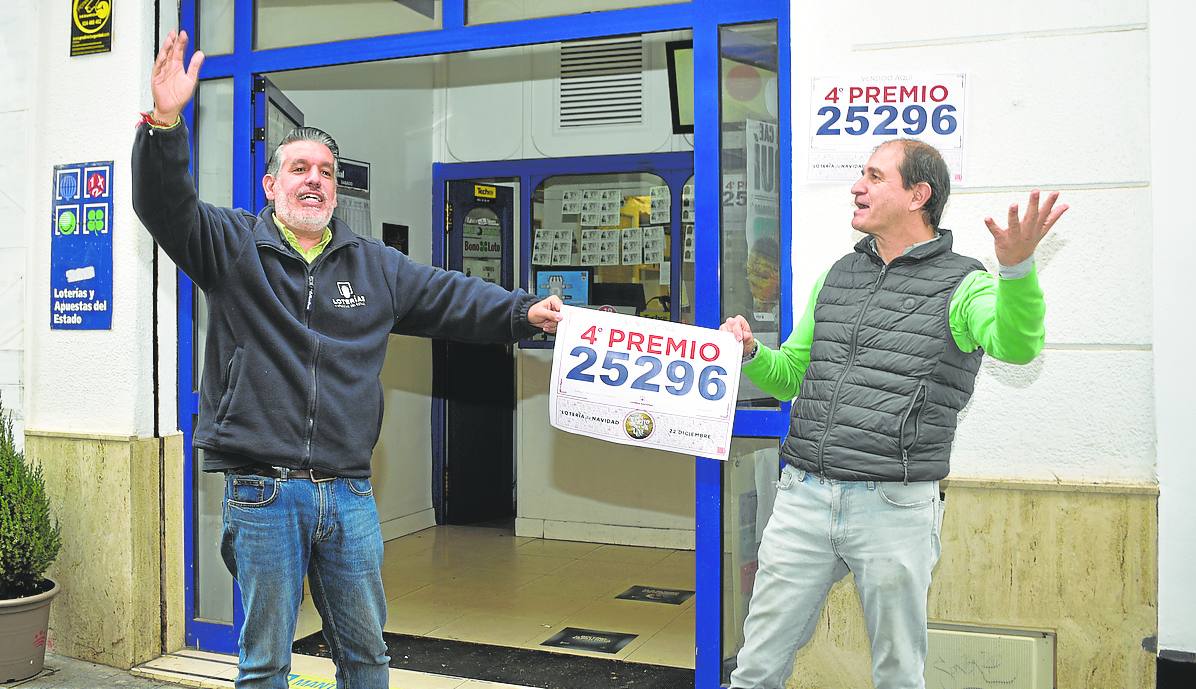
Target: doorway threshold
205,670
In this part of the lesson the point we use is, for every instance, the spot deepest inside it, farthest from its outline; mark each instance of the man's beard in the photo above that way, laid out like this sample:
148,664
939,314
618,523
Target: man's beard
301,218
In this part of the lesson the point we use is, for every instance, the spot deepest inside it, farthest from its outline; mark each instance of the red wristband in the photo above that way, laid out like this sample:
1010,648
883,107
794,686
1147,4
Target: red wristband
148,118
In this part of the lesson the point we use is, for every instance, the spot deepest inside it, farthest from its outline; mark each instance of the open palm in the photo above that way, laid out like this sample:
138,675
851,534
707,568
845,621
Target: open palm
171,84
1017,242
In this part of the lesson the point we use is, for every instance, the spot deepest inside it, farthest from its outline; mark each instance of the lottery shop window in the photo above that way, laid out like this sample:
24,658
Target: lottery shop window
605,241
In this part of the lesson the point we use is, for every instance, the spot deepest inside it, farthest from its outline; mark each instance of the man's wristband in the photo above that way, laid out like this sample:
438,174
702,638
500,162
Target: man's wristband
148,118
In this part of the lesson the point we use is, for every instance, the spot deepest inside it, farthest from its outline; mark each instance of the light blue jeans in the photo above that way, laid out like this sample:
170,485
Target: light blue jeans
277,530
886,534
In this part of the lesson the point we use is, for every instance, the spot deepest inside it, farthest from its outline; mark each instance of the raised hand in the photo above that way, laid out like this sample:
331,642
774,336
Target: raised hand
1017,242
172,85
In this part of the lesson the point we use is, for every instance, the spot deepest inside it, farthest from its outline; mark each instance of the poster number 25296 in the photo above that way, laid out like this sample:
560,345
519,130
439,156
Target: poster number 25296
884,119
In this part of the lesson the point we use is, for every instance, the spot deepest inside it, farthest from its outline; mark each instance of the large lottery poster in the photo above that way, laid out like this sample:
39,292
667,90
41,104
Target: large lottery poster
644,382
853,115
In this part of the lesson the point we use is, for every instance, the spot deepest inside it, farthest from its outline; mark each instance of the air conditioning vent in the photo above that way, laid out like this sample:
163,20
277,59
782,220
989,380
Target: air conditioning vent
962,657
601,82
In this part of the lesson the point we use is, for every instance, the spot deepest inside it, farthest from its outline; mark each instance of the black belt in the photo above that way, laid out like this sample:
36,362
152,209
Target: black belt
313,475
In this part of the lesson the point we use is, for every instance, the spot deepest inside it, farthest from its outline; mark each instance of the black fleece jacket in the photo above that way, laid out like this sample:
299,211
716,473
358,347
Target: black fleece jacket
294,350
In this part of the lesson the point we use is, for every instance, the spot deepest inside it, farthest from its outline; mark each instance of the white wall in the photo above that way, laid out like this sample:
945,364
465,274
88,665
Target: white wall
1041,112
1174,333
92,381
17,48
580,489
1058,98
389,125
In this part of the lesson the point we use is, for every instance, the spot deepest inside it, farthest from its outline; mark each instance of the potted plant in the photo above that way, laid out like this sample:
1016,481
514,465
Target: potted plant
29,542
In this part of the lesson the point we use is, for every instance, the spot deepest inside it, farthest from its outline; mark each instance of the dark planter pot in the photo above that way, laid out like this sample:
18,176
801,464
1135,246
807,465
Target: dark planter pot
23,625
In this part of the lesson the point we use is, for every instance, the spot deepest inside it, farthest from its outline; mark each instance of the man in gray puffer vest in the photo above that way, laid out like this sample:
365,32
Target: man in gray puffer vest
881,364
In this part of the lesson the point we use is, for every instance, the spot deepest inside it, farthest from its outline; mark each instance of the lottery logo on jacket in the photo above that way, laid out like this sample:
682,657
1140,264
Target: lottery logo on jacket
348,299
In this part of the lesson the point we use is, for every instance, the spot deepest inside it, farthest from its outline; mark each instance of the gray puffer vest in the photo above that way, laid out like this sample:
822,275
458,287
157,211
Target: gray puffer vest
886,381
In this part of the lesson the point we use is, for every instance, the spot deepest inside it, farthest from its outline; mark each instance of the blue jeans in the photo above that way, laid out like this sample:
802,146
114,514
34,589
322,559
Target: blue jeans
277,530
886,534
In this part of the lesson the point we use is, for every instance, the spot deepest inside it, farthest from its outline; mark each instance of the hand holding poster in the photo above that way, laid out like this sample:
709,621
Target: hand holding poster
644,382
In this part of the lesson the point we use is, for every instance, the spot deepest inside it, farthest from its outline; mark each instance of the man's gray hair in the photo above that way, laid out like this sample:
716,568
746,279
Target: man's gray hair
304,134
923,163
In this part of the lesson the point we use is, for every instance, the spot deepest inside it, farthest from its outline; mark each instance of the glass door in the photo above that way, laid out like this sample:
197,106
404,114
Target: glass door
208,585
753,277
213,598
473,472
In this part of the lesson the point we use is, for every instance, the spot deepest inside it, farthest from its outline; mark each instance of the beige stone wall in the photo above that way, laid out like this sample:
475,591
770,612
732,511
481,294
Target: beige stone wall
1077,560
105,492
173,559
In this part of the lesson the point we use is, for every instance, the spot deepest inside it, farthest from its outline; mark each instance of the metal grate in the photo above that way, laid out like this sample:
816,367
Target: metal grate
965,657
602,82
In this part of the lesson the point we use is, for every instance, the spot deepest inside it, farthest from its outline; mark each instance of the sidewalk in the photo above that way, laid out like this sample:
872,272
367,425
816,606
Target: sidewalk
67,673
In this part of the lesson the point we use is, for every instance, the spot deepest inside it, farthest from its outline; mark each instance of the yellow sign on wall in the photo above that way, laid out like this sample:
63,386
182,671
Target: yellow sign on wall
91,27
484,191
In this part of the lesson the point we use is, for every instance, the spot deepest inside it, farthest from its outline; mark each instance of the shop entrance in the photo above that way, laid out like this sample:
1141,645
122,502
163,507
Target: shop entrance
556,520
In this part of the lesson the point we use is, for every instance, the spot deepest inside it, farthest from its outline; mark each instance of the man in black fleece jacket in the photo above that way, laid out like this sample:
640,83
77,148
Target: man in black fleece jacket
299,310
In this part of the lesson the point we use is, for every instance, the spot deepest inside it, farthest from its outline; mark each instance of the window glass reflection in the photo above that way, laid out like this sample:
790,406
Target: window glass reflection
280,23
213,584
749,489
750,191
490,11
215,26
605,241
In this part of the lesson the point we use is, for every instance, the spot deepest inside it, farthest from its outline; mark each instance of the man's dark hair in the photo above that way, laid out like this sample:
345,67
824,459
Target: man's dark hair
304,134
923,163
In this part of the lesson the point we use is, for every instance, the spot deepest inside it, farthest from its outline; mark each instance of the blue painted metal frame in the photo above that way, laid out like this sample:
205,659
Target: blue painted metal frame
703,17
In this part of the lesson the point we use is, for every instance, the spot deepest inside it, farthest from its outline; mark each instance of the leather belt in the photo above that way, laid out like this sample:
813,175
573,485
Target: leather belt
313,475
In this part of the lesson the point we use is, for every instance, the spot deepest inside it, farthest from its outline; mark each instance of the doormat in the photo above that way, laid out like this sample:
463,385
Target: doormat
297,681
589,640
523,666
652,594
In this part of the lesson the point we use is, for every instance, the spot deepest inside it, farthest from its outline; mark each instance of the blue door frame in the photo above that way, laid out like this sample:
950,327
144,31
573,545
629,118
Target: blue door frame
703,18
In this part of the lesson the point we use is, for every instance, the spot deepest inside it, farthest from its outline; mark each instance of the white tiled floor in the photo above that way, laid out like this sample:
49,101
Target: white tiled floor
488,586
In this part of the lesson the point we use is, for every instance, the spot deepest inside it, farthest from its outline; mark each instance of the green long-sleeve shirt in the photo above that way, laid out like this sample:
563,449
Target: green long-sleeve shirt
1002,316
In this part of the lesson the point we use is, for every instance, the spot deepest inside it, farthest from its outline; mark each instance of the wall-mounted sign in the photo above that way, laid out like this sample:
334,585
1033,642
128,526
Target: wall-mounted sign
353,196
481,234
352,174
91,27
571,286
81,247
853,115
